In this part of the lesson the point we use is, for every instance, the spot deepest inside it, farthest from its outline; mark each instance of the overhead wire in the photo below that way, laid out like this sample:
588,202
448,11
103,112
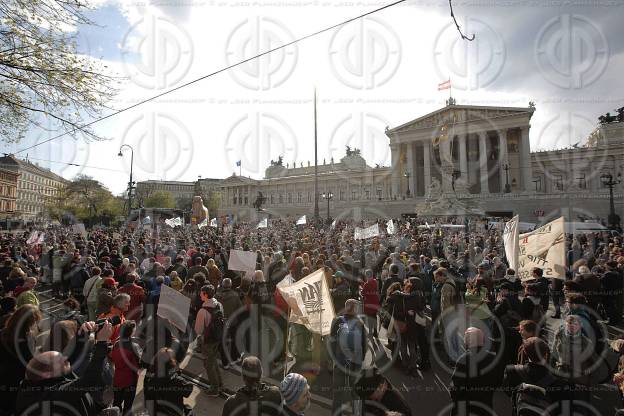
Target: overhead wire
267,52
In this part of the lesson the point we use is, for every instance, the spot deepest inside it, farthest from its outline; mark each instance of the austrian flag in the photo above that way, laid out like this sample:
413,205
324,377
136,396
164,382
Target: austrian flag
445,85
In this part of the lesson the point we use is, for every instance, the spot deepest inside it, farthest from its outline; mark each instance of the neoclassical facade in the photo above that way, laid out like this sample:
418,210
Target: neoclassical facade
459,159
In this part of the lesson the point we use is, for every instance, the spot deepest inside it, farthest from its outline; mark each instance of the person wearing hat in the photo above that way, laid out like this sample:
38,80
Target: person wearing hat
296,395
262,398
340,290
106,293
378,395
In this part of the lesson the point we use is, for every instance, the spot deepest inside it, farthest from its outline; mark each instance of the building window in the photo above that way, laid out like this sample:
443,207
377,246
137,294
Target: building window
246,200
513,145
367,194
234,201
379,193
300,197
289,198
538,183
558,182
271,198
353,195
342,195
309,196
582,181
281,199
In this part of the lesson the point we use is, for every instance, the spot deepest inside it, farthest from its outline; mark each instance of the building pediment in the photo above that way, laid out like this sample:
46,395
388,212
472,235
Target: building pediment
456,114
238,180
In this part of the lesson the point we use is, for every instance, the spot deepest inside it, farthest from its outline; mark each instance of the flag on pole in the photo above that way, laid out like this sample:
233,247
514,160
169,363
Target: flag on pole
203,224
333,224
238,163
146,221
444,85
510,239
263,223
543,248
213,222
302,221
390,227
310,302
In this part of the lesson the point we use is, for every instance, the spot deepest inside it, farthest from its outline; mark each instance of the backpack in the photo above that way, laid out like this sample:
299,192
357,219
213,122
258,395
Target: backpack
456,295
215,329
348,348
532,400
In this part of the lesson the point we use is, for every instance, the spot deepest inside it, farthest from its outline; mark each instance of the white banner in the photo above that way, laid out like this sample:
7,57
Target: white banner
390,227
510,238
302,221
263,224
174,222
310,302
543,248
33,238
203,224
364,233
146,221
213,222
242,261
174,306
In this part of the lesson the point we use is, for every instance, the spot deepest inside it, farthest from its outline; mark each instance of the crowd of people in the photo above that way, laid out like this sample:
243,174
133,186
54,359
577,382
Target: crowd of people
430,293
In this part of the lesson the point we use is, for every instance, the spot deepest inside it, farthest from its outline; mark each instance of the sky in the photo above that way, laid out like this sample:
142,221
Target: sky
377,72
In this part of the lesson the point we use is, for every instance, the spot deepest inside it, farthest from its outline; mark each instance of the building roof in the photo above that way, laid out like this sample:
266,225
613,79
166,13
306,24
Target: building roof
12,161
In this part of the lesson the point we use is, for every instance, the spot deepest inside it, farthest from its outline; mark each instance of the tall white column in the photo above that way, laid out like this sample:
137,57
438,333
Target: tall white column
410,168
525,158
483,168
427,163
463,157
503,159
396,170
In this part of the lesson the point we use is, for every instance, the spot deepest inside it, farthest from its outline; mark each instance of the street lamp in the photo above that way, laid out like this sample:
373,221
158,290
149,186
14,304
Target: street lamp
608,181
328,196
507,186
130,183
407,175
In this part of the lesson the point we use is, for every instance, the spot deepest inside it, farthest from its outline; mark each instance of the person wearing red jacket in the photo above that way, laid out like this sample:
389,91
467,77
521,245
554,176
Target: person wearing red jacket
125,356
370,301
137,297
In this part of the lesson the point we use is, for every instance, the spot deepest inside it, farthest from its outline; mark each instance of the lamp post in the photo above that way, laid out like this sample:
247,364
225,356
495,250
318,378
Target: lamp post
130,183
407,175
507,186
608,181
328,196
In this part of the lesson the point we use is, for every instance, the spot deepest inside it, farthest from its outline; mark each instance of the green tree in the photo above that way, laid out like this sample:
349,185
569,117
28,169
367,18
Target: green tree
159,199
43,78
84,198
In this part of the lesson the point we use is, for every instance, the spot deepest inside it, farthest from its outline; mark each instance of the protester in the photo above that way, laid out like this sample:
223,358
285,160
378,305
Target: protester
90,291
295,394
379,396
26,294
164,390
125,356
208,326
255,397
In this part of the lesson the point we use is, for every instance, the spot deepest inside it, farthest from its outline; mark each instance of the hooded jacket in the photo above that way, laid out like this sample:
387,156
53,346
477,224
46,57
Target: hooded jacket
263,399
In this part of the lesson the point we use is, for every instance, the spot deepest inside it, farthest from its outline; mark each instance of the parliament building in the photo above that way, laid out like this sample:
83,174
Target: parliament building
459,160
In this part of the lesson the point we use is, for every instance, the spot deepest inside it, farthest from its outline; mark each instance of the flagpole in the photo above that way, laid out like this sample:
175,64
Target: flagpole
316,207
450,89
240,168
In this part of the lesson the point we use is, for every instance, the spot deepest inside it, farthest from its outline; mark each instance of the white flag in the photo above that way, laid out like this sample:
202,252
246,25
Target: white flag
310,302
203,223
333,224
302,220
390,227
213,222
33,238
263,223
364,233
169,222
510,238
543,248
147,220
